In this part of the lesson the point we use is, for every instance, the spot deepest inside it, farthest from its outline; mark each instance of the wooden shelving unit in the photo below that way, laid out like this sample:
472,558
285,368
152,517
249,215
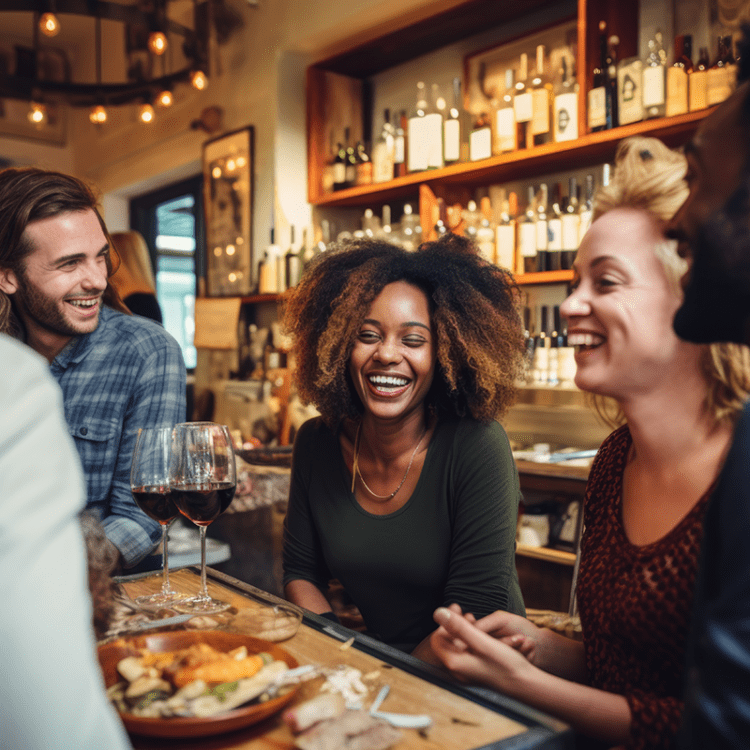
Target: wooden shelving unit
547,553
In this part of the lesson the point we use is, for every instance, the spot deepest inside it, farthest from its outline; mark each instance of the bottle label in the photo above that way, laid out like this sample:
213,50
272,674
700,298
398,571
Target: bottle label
570,226
505,245
719,85
417,145
677,91
542,234
554,235
480,144
566,117
382,161
629,100
597,114
452,144
654,94
339,173
540,123
434,134
697,88
523,105
505,130
527,239
399,147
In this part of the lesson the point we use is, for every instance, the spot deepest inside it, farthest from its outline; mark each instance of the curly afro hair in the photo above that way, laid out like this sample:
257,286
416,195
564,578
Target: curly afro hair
474,307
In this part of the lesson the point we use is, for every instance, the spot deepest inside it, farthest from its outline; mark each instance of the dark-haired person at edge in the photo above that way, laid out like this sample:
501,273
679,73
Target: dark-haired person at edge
134,278
648,487
713,230
405,490
118,372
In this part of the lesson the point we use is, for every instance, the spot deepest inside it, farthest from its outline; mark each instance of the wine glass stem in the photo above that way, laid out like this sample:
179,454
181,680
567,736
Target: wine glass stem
165,589
204,588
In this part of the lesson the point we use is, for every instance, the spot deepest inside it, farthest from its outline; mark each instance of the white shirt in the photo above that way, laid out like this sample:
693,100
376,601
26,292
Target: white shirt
51,688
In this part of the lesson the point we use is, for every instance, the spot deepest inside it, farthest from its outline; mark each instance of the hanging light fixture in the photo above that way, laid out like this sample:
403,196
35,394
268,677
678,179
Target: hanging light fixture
199,80
98,115
146,113
37,113
157,42
164,98
49,25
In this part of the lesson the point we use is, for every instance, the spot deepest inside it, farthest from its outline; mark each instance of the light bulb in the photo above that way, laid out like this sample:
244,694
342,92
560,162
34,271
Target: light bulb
199,80
49,25
146,113
98,115
165,98
157,43
37,113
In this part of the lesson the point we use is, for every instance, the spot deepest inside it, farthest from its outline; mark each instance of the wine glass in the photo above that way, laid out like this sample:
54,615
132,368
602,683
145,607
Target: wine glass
202,479
149,483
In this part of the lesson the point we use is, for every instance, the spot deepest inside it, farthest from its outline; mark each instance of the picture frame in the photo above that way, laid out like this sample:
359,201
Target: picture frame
228,192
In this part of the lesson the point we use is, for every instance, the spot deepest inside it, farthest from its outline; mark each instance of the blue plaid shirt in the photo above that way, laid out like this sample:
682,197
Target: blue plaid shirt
128,373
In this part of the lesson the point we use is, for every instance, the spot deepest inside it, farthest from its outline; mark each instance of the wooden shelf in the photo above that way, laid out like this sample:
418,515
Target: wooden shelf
545,277
548,554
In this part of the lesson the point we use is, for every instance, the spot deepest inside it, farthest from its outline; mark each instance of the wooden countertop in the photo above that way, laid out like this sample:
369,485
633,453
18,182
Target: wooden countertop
463,719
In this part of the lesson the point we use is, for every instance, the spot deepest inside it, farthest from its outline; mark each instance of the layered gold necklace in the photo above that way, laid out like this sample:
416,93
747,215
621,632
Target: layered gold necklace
356,471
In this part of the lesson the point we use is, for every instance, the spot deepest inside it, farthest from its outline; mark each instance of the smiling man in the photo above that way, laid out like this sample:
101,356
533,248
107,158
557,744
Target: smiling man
118,372
713,229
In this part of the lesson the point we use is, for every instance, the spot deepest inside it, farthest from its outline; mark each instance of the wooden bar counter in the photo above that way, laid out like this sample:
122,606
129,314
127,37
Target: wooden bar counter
462,718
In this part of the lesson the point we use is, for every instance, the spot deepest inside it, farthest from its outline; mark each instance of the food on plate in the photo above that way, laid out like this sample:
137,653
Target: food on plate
323,706
195,681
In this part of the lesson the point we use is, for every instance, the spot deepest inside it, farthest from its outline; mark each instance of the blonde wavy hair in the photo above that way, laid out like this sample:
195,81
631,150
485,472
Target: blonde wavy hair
650,176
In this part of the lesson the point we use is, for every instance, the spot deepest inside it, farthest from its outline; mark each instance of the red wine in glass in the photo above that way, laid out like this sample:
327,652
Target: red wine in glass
203,503
156,502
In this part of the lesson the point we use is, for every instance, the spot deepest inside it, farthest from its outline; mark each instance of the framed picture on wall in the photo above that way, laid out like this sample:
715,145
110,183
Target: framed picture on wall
228,201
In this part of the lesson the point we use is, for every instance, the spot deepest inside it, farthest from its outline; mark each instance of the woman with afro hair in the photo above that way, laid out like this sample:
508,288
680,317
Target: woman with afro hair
404,489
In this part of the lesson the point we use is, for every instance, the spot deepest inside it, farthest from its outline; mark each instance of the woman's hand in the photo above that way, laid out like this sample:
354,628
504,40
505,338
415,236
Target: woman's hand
515,631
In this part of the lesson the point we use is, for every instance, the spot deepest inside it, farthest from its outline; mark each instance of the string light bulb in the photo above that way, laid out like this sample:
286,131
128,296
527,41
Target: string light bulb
49,25
37,113
146,113
165,98
98,115
157,42
199,80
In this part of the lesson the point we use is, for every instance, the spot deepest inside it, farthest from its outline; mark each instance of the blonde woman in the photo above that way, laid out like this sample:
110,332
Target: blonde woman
134,279
648,487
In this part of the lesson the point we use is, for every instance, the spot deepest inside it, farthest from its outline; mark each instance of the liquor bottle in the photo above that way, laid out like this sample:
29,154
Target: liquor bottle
677,76
527,235
383,153
555,342
597,99
326,181
417,158
339,168
610,61
471,218
363,166
629,90
586,208
731,63
655,78
523,104
434,128
540,363
455,129
293,262
486,232
400,147
698,82
720,83
542,232
441,225
541,101
554,230
505,235
386,229
504,119
411,229
565,123
480,140
351,161
571,221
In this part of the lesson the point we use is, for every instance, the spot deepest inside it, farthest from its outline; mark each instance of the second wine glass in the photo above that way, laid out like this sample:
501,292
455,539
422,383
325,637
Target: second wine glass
203,482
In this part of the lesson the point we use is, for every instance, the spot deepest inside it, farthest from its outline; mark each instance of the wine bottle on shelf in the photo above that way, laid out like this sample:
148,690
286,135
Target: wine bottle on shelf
504,119
293,262
629,90
523,104
383,153
553,362
540,364
554,230
586,208
418,153
565,121
610,61
527,235
542,232
434,128
698,82
571,221
480,141
351,161
400,146
597,113
655,78
541,100
326,181
505,235
678,75
486,231
471,217
363,167
720,83
339,168
455,129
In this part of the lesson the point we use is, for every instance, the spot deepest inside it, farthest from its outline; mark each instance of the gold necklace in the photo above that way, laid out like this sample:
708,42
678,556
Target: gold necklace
355,466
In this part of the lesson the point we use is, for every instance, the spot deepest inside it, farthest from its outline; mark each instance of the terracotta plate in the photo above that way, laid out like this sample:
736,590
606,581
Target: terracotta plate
111,653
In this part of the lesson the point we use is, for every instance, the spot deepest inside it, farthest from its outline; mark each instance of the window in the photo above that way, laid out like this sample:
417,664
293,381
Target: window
171,220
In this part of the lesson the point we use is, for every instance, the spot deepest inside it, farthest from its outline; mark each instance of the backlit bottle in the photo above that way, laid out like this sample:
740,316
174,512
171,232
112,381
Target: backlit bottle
455,130
418,154
655,78
434,128
542,231
570,226
678,76
504,136
527,235
565,121
698,82
554,230
541,96
523,104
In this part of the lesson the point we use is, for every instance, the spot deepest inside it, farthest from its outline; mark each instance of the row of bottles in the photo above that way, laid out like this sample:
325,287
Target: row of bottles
634,89
549,359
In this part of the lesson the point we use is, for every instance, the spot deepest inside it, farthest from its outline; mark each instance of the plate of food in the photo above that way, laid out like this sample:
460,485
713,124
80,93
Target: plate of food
195,683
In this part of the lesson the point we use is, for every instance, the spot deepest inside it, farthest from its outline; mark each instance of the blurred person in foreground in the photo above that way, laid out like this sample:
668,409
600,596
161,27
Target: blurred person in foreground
52,692
117,372
134,278
405,489
648,488
713,229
